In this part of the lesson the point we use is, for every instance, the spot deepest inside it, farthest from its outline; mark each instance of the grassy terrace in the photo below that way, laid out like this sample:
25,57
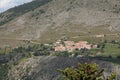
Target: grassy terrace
111,50
111,53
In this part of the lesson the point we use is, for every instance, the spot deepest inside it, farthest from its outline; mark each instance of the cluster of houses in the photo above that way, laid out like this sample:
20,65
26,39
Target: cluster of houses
71,45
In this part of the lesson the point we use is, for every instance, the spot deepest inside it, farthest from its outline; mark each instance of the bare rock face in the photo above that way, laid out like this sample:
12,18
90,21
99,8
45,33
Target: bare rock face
22,69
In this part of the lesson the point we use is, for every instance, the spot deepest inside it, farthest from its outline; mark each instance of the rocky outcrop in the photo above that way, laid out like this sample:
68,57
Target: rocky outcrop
45,67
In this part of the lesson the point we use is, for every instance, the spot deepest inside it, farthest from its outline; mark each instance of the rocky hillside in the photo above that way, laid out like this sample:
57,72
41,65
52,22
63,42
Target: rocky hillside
49,20
45,68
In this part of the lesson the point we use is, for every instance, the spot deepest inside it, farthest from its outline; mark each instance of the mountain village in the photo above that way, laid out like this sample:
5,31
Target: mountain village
71,45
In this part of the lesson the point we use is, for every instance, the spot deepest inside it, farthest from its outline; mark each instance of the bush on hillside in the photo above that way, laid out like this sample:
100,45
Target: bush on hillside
84,72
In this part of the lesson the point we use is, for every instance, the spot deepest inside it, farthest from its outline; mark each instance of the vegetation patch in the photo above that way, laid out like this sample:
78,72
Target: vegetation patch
85,72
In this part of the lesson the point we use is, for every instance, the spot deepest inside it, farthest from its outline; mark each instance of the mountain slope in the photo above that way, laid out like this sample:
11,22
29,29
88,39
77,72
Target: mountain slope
55,19
20,10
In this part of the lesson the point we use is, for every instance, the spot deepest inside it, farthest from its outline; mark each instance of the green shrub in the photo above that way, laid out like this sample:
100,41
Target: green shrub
85,72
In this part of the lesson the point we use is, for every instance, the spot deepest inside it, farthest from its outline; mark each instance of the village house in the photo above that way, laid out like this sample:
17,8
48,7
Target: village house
60,48
71,46
69,43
